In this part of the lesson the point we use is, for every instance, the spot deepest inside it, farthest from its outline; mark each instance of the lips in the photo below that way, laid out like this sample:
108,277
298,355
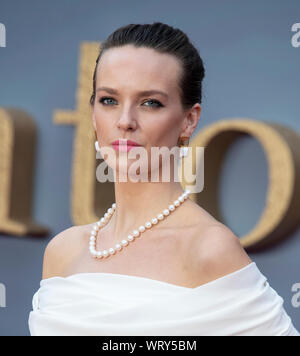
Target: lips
125,142
124,145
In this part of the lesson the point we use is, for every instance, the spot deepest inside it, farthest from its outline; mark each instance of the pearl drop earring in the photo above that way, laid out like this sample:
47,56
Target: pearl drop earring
184,149
97,146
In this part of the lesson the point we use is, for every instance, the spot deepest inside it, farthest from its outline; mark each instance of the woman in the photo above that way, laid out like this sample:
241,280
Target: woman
188,274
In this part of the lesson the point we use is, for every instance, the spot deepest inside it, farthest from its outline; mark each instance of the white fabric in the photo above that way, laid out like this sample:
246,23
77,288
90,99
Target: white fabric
239,303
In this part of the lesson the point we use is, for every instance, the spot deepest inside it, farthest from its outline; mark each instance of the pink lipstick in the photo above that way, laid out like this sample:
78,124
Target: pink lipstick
124,145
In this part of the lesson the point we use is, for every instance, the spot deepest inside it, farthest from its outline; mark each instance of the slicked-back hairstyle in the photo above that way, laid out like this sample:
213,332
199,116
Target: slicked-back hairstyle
164,39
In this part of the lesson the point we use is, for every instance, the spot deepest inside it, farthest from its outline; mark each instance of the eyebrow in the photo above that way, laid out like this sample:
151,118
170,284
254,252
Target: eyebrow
141,93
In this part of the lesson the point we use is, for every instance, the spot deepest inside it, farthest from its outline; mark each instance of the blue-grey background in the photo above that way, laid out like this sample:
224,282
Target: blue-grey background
252,71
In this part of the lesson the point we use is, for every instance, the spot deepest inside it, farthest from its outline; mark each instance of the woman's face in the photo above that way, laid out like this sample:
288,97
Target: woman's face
122,111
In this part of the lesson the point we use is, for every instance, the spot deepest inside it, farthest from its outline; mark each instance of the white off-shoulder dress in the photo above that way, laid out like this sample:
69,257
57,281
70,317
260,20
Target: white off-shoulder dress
241,303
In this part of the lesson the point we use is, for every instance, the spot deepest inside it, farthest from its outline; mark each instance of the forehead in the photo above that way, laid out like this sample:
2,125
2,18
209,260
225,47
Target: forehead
140,67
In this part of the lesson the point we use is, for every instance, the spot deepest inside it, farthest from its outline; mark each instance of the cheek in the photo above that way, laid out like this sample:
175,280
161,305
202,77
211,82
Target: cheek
103,121
165,132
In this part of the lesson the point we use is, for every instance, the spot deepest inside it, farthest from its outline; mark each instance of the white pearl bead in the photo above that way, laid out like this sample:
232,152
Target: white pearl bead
105,215
93,233
148,224
142,228
154,221
110,211
92,238
92,243
92,250
124,242
171,207
136,233
176,203
188,191
114,206
99,254
118,247
181,199
99,223
130,238
166,212
160,217
111,251
105,253
102,220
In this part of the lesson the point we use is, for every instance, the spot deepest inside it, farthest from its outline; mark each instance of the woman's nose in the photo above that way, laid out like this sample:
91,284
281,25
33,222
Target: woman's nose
127,121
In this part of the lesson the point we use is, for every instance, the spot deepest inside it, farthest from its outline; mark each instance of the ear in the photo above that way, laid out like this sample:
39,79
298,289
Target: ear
191,120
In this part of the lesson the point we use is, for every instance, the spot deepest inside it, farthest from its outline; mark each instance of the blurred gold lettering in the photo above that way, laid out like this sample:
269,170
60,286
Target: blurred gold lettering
281,146
17,149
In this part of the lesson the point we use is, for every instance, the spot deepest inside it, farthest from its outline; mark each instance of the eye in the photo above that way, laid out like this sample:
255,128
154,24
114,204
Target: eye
102,100
156,103
108,101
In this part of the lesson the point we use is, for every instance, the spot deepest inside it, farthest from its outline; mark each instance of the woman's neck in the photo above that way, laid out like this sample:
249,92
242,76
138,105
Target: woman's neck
139,202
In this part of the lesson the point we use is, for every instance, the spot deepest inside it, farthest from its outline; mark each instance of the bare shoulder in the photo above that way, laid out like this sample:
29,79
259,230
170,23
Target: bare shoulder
216,251
63,248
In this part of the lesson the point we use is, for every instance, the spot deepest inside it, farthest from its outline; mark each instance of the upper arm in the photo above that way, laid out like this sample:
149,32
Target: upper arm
219,252
56,254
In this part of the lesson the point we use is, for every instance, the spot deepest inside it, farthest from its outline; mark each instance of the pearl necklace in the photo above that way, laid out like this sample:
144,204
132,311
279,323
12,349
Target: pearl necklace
136,233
